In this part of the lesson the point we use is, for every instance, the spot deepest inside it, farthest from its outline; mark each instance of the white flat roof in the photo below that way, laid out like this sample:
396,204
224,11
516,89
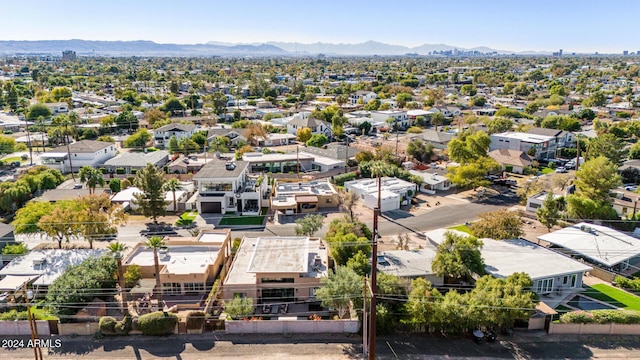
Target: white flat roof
126,195
598,243
505,257
179,259
323,159
526,137
54,263
437,236
287,255
406,263
212,237
258,157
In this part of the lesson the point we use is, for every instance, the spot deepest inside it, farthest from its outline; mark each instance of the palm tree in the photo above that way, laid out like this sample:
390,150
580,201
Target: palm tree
156,243
116,249
380,168
91,177
348,199
173,185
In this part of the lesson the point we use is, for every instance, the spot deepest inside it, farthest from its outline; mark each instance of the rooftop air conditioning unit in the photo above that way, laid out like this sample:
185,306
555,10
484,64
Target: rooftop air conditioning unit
40,261
585,228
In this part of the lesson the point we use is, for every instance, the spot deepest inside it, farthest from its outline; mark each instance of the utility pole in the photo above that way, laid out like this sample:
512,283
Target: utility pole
374,270
346,157
37,351
365,345
29,141
298,161
66,135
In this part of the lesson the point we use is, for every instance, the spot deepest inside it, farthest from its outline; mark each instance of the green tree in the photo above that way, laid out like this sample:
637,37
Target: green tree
597,98
549,213
173,185
98,218
634,151
365,126
304,134
7,145
309,224
115,185
420,304
468,90
472,174
151,198
420,151
467,146
174,146
499,224
91,177
156,243
360,263
188,146
338,289
239,307
62,224
596,178
403,98
173,105
345,247
219,101
37,110
139,139
317,140
607,145
498,125
126,120
437,119
458,257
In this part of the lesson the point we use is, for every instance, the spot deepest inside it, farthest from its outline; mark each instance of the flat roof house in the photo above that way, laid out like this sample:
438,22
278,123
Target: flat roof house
433,182
544,146
602,246
226,186
409,265
304,197
276,269
278,163
162,134
394,192
134,161
83,153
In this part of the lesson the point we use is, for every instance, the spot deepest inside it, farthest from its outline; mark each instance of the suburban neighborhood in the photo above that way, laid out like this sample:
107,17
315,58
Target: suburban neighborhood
483,198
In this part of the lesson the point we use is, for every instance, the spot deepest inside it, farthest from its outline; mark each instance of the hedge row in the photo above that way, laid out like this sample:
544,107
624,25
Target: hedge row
628,284
157,323
601,317
109,326
341,179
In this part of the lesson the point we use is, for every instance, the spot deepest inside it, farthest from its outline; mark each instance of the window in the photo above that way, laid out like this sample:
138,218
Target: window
276,280
544,286
565,280
193,287
574,279
171,288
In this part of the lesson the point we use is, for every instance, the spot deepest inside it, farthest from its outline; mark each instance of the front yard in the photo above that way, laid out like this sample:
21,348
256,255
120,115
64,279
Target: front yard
233,219
613,296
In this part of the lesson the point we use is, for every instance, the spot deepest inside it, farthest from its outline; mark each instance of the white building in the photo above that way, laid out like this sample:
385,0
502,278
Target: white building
400,118
58,108
316,126
162,134
83,153
126,197
545,146
534,202
432,182
394,192
226,187
361,96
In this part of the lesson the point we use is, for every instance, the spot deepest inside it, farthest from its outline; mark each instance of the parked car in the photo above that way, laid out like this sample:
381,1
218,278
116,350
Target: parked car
631,187
561,169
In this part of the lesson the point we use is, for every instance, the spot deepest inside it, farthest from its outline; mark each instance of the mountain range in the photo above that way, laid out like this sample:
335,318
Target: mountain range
150,48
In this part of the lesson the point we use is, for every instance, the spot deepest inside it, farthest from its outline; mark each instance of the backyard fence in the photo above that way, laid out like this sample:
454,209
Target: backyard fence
594,329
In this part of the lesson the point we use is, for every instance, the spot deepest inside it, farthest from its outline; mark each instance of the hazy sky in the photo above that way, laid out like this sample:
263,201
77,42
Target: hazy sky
580,26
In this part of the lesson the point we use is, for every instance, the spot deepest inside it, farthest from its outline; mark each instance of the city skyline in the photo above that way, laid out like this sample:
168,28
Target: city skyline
536,26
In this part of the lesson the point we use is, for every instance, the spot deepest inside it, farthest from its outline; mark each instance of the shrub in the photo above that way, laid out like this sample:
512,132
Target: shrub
626,283
120,171
152,149
15,249
132,275
107,325
157,323
123,327
115,185
601,317
341,179
125,184
195,319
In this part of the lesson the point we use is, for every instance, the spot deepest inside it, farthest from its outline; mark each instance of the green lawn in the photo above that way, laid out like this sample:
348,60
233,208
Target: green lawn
187,218
613,296
233,219
12,159
463,228
547,170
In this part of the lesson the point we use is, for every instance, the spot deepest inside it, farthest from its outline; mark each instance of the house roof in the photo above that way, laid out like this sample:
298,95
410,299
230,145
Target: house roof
511,157
306,122
333,151
176,127
5,230
218,169
597,243
82,146
54,195
439,137
630,164
437,236
525,137
505,257
429,177
546,132
136,159
406,263
179,259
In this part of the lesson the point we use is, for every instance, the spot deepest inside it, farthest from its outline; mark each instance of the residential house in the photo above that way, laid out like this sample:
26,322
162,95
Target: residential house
394,192
55,195
447,111
316,126
564,139
599,245
399,117
278,163
131,162
625,202
58,108
333,151
362,97
535,201
188,268
304,197
432,182
277,270
276,139
549,270
187,164
41,268
126,199
437,236
232,134
511,160
81,153
162,134
408,265
541,147
438,139
227,186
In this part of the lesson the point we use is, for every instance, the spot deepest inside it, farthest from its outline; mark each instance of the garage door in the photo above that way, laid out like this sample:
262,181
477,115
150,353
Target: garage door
211,207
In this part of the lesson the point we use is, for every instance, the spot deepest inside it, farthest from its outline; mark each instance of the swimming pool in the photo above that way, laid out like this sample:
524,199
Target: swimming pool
585,303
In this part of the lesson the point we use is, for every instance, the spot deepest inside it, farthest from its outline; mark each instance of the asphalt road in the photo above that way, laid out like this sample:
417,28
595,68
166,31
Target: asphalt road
396,222
337,346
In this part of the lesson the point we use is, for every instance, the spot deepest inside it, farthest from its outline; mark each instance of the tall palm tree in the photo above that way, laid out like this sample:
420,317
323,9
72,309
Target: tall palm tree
173,185
156,243
116,248
91,177
379,169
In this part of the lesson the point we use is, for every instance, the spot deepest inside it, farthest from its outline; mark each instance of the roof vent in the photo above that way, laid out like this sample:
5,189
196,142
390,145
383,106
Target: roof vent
40,261
230,165
585,228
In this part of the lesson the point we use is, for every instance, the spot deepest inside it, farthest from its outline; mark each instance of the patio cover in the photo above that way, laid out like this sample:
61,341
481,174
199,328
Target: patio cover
144,286
307,199
14,282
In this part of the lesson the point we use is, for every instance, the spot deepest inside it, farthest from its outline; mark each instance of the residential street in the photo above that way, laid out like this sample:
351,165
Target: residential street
521,345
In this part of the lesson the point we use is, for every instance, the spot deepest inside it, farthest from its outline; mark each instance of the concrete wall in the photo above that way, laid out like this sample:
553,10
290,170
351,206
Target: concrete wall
603,329
602,274
88,328
21,327
291,326
536,323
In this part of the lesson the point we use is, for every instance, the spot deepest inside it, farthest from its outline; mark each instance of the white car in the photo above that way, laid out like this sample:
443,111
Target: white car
561,169
631,187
